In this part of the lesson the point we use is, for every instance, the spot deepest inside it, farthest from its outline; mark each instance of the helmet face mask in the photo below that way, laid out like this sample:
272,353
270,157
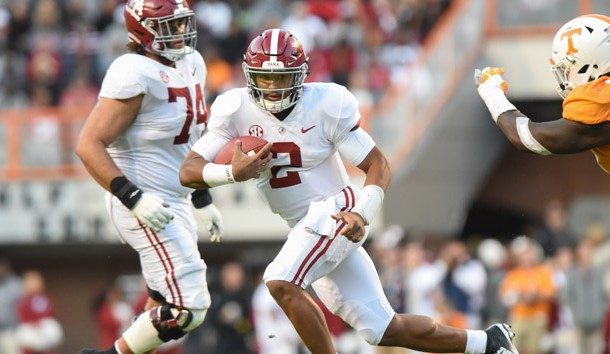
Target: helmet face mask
163,27
275,67
581,52
275,90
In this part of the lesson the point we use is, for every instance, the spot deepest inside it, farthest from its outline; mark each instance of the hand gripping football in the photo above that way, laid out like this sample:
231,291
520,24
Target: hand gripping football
249,145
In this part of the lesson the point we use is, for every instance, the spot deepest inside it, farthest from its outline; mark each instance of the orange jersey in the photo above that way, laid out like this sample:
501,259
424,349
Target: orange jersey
523,280
590,104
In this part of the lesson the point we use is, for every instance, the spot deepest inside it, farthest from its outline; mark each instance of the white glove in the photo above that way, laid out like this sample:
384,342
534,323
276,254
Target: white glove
490,77
152,212
492,88
212,220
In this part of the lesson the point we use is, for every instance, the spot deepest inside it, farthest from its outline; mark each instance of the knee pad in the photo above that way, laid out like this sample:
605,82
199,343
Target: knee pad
370,320
170,321
161,324
198,317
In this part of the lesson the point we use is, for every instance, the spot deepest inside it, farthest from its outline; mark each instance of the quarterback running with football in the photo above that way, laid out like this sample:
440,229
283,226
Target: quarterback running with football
310,128
150,111
580,62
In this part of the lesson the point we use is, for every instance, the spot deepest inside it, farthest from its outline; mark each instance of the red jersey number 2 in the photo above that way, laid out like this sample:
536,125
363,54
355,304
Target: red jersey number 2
200,109
292,177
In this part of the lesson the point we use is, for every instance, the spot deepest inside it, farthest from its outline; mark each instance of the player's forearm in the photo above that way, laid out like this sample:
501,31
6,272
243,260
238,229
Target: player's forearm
379,174
98,162
378,177
507,122
377,169
517,128
191,173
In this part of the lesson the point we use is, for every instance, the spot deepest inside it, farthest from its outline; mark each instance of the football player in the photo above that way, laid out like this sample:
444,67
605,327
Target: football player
580,62
300,172
150,111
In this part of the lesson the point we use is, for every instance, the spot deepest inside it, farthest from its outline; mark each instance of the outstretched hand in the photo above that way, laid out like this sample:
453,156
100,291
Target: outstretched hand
490,77
492,88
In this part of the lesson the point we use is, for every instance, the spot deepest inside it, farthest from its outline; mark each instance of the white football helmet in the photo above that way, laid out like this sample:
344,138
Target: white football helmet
581,52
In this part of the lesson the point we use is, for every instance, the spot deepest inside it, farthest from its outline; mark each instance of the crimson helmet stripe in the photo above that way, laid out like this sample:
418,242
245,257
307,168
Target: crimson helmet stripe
274,50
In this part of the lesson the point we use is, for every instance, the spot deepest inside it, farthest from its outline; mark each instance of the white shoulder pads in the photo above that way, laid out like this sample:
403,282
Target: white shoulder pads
229,102
126,77
337,101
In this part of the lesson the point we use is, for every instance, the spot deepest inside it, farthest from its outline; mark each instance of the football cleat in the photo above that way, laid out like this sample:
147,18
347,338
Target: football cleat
499,339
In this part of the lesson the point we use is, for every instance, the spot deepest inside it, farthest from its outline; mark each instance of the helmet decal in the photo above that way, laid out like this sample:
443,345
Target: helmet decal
581,52
568,35
138,7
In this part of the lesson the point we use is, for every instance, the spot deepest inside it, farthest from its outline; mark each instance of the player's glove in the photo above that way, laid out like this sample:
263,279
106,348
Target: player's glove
212,220
149,209
490,77
152,212
492,88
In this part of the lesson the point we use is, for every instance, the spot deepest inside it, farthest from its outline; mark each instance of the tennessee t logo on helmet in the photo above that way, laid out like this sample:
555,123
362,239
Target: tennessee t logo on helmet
568,35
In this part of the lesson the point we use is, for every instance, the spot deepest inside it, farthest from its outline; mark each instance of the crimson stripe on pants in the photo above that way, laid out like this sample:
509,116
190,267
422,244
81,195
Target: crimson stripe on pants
299,280
170,271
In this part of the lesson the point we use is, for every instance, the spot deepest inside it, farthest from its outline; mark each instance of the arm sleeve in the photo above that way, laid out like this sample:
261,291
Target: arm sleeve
356,146
353,142
209,145
220,130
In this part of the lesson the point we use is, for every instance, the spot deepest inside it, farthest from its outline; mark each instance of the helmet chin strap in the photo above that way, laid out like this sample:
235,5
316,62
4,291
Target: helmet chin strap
171,55
275,106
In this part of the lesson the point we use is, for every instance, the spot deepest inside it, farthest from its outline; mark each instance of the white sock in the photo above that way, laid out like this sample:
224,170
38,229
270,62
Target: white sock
142,336
476,341
116,347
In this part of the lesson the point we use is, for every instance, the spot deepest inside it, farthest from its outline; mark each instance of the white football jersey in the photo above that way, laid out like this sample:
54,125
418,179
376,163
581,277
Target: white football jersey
306,164
172,117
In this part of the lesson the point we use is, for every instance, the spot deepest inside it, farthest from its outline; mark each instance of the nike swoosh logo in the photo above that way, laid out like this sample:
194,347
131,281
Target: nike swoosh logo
194,71
303,130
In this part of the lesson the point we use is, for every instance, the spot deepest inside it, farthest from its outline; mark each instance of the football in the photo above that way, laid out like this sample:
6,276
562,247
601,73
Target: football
249,145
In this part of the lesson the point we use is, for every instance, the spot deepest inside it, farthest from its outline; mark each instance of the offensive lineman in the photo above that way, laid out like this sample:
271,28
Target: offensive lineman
300,173
150,111
580,63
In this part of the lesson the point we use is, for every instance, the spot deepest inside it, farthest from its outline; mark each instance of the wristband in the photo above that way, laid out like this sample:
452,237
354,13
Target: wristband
369,202
495,100
128,193
201,198
216,175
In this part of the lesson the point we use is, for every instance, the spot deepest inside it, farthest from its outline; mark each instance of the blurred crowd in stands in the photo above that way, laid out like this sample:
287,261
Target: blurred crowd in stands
28,323
551,285
55,52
